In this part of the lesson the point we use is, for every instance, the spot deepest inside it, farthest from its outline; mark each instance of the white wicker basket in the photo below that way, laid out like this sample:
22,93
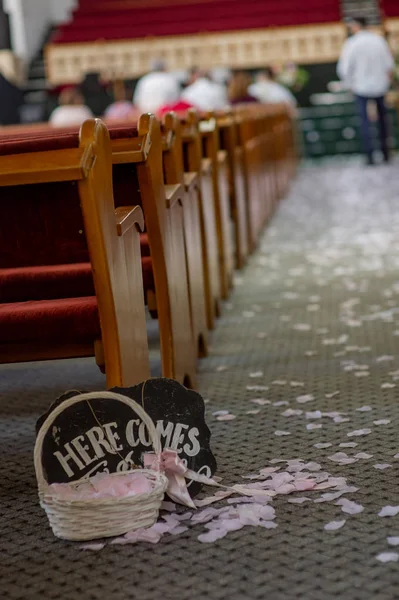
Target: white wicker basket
97,518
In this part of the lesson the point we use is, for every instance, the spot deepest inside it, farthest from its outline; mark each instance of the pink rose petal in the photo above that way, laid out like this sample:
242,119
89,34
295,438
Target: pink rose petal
257,388
94,547
334,525
228,417
211,536
385,557
349,507
260,401
389,511
255,374
312,426
305,398
291,412
359,432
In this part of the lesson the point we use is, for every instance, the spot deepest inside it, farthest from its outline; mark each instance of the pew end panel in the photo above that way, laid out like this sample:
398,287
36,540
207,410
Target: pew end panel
139,172
220,182
252,141
237,186
66,270
195,162
190,179
122,255
285,153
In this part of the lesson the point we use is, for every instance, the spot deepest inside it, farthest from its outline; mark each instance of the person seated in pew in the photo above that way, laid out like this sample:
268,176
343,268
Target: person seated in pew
267,90
11,101
95,94
71,110
179,107
121,108
156,89
237,90
203,93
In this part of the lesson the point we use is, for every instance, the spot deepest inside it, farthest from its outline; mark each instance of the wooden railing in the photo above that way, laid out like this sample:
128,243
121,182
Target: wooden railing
67,63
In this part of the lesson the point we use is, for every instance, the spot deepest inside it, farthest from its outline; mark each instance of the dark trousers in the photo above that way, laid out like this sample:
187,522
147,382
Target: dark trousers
362,102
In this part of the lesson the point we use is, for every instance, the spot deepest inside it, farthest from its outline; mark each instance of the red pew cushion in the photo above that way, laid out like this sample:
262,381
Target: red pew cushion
46,282
66,320
52,282
148,273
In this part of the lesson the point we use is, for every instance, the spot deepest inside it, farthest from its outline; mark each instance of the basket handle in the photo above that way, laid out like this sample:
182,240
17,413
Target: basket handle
139,410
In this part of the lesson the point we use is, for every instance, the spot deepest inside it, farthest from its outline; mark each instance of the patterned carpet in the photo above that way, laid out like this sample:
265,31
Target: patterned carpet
314,313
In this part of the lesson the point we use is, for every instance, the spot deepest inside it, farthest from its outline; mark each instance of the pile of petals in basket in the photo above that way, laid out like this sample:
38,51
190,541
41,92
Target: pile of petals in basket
102,486
251,510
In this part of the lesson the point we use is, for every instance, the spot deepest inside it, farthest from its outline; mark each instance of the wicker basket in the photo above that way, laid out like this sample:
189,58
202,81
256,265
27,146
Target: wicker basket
97,518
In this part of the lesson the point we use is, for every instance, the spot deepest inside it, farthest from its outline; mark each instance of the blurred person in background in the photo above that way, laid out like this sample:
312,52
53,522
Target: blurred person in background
366,66
156,89
95,95
181,106
121,108
11,100
237,90
203,93
267,90
71,110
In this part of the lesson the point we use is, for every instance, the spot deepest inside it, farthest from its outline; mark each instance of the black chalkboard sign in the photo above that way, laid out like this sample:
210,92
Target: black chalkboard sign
105,435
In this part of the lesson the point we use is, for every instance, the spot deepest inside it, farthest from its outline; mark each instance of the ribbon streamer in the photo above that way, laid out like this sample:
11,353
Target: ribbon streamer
176,471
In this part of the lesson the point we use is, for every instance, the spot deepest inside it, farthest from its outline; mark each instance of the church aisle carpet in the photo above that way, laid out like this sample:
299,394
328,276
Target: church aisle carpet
314,314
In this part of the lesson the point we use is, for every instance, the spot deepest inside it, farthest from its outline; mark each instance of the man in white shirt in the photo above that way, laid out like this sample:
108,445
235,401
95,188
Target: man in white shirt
266,90
156,89
203,93
366,66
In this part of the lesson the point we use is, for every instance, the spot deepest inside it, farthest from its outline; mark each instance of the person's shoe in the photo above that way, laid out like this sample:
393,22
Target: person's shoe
370,160
387,156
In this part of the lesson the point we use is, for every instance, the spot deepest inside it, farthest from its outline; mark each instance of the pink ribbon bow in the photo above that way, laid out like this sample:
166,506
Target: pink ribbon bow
176,471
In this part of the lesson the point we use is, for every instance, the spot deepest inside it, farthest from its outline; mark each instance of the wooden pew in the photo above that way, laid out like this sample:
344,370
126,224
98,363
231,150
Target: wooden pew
257,133
138,173
278,128
195,162
220,185
57,210
137,157
266,158
177,173
273,122
229,141
249,140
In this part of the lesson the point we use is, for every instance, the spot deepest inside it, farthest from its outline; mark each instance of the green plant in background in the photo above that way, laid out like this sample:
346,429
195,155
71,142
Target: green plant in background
293,77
